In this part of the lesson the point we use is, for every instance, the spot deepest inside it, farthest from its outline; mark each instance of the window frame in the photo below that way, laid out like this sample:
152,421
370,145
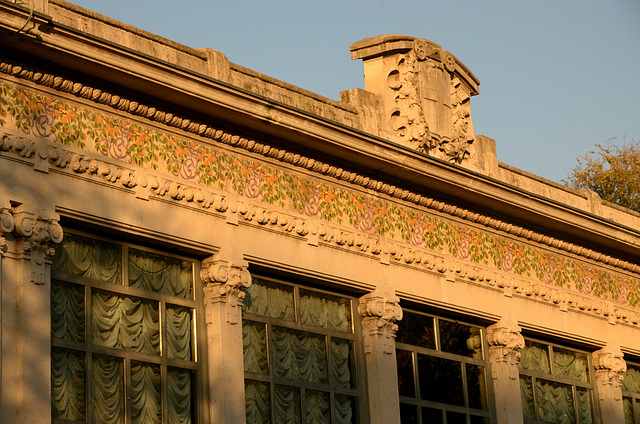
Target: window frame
357,362
590,385
416,401
197,366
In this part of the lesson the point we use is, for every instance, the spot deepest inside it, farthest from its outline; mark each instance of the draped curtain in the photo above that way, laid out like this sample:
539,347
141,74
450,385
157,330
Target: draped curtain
122,322
555,401
630,383
297,355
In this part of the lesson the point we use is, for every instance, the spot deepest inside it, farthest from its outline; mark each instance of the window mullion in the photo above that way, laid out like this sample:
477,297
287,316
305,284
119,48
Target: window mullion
164,371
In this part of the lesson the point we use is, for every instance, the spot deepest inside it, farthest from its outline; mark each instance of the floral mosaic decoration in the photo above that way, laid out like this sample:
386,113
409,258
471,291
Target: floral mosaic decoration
120,138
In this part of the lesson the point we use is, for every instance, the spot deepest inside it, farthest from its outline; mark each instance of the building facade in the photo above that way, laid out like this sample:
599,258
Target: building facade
185,240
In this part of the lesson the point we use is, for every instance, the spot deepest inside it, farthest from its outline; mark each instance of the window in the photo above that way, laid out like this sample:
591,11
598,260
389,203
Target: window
123,329
555,384
631,394
442,371
299,355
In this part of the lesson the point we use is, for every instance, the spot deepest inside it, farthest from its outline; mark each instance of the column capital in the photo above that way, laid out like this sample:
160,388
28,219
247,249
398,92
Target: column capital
35,236
610,366
505,342
379,312
225,281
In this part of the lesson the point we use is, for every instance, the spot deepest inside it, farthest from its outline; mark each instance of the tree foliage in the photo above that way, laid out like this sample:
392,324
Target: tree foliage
611,171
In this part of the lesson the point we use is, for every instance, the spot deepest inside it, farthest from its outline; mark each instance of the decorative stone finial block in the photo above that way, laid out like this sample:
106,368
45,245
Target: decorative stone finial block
505,342
610,367
424,92
379,315
224,283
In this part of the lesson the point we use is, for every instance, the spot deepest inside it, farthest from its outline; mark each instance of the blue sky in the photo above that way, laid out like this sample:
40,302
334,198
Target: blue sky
556,77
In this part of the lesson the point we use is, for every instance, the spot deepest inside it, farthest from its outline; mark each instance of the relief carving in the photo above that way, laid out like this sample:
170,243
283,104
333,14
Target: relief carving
225,282
505,342
35,236
610,367
379,316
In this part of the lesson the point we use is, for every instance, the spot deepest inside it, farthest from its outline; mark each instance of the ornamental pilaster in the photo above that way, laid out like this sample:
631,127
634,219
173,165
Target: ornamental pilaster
380,311
379,315
610,366
225,282
505,341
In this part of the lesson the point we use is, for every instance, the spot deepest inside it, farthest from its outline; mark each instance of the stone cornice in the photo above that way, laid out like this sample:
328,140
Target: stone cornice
203,130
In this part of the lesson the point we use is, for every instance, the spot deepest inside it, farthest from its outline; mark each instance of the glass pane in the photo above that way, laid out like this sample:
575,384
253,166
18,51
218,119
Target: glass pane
585,415
631,380
406,378
440,380
317,407
270,299
160,274
456,418
555,402
345,410
570,364
299,355
476,419
146,403
88,258
416,330
179,333
476,386
526,393
342,358
535,357
125,322
67,311
179,399
431,416
325,310
287,405
256,402
254,347
454,338
108,389
627,404
408,414
67,384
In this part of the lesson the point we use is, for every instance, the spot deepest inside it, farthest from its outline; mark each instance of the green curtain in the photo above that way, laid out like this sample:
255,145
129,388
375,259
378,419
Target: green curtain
287,405
160,274
627,404
631,380
67,311
67,384
324,310
178,322
108,390
89,258
270,300
146,404
535,357
125,322
317,407
257,402
254,343
179,396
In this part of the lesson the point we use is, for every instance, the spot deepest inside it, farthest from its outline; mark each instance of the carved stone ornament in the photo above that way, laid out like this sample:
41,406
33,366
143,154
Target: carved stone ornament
505,342
35,236
225,283
379,316
610,367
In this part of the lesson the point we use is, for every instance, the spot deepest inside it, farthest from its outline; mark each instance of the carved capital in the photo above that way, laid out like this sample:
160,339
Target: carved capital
610,367
505,342
35,235
379,316
225,282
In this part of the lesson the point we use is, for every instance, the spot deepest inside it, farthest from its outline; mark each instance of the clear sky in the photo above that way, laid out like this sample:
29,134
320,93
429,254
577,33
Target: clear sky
556,76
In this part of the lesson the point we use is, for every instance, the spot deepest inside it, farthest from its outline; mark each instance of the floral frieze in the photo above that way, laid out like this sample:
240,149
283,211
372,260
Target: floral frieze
118,136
